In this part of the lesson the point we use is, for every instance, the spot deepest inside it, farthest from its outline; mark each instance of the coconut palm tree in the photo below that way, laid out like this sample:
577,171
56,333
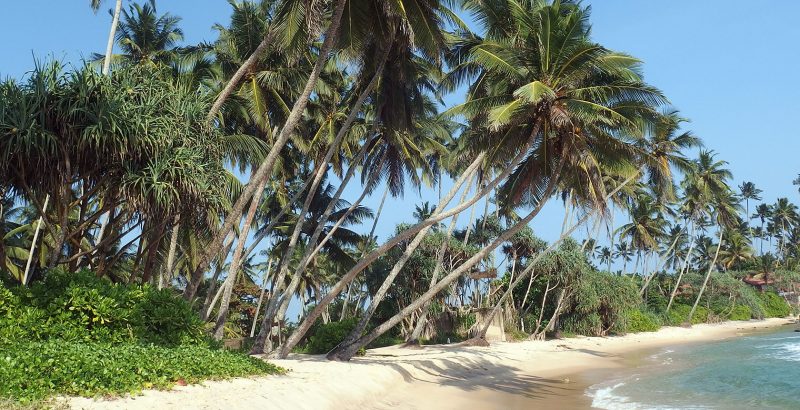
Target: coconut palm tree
748,191
624,251
112,33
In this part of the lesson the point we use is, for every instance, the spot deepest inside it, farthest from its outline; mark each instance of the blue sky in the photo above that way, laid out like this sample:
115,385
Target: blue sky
728,66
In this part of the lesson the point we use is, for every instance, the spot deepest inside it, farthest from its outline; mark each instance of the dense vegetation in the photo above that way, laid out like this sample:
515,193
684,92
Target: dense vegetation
73,333
220,171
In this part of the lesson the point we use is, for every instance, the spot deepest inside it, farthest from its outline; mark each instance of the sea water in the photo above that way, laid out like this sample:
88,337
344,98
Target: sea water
758,371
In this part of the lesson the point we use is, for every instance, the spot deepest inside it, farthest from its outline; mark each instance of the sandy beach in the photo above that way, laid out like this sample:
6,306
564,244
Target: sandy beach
536,374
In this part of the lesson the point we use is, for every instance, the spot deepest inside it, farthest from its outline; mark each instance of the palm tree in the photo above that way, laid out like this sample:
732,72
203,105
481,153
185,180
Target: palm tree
763,213
783,215
624,251
112,33
606,255
525,85
748,191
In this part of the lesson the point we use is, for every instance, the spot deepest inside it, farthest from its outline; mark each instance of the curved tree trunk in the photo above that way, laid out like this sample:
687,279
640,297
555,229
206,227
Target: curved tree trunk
173,246
708,276
208,303
684,268
236,263
660,265
111,35
265,169
33,243
261,296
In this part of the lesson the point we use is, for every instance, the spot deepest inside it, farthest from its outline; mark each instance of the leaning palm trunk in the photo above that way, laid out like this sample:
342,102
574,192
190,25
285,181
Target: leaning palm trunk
111,35
660,265
261,296
173,247
471,215
422,320
265,169
531,264
33,243
239,74
378,297
236,263
379,212
684,268
209,303
708,276
375,254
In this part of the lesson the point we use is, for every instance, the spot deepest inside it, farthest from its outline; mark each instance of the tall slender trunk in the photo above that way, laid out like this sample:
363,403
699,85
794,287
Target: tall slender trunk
111,35
378,213
708,275
265,169
660,265
208,303
173,246
33,243
345,301
236,263
261,296
684,268
471,214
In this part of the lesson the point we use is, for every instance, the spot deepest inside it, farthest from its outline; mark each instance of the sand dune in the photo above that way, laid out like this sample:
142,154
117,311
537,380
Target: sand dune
504,375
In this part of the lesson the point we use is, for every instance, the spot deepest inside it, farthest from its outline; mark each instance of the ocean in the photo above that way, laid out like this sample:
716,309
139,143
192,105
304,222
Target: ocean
757,371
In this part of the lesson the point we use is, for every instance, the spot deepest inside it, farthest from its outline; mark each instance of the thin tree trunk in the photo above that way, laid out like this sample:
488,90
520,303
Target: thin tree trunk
265,169
663,260
471,215
33,243
378,213
236,262
261,297
684,268
708,276
208,302
173,246
111,35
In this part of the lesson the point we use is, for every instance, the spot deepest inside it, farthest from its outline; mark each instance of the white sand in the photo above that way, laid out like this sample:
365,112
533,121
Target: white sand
504,375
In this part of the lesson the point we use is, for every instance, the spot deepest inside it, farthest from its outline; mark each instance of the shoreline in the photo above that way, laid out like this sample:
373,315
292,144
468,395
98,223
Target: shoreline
552,373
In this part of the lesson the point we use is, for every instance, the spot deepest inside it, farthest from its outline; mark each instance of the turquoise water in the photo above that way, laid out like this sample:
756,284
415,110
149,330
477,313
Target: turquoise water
760,371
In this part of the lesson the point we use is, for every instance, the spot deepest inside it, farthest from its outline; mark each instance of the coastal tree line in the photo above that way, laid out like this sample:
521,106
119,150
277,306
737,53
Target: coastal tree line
219,171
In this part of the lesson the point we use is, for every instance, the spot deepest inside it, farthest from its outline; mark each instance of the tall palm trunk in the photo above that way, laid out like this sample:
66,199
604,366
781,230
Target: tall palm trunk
236,263
173,247
660,265
261,296
708,275
379,212
684,268
265,169
111,35
209,303
33,243
471,213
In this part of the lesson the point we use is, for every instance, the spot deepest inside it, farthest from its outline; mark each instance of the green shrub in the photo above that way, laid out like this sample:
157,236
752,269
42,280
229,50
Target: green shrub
80,307
37,370
385,340
639,321
774,305
679,314
329,335
740,312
